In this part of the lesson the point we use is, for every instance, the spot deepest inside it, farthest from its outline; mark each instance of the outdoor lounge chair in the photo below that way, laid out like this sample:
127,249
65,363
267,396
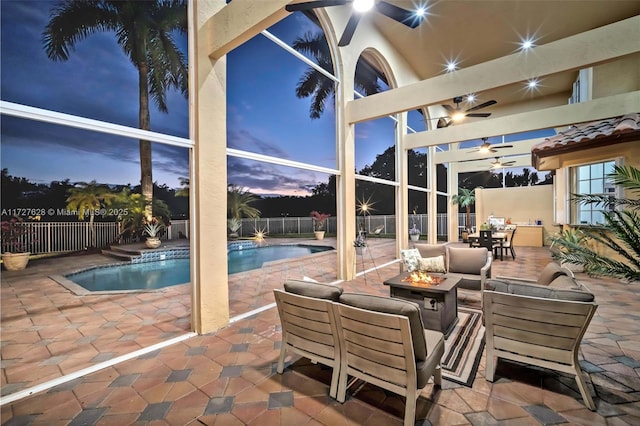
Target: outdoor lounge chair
377,230
540,325
308,325
384,343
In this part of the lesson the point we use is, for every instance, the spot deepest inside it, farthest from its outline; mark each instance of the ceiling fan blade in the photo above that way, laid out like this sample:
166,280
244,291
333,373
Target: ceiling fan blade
501,146
482,105
406,17
449,108
479,114
349,29
314,5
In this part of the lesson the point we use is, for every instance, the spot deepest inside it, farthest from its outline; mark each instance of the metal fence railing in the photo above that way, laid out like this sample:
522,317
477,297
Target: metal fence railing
53,237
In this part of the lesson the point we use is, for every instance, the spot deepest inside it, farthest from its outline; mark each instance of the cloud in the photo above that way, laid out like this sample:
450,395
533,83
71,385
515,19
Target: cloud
270,179
240,138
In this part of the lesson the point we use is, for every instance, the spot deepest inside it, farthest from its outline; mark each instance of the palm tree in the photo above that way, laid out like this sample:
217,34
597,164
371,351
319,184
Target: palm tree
184,191
315,84
133,217
145,30
88,199
238,201
620,232
465,198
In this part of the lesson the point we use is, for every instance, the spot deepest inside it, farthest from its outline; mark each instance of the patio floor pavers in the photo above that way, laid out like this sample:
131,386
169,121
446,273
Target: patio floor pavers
229,377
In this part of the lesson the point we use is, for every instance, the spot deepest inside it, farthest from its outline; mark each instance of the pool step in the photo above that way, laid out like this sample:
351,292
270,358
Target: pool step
121,254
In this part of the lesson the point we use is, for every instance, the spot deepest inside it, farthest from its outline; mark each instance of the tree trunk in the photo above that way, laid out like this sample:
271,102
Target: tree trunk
146,177
468,219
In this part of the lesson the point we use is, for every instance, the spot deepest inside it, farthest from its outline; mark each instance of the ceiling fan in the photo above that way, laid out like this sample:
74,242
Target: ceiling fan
486,147
500,164
457,114
409,18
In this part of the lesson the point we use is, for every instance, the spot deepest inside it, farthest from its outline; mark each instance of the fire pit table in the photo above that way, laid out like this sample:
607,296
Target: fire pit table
436,294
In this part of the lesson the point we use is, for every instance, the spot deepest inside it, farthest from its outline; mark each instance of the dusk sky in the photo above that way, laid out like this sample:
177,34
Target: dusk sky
99,82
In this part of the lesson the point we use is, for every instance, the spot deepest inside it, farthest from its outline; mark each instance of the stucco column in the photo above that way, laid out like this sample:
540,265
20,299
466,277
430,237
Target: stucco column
346,183
402,192
209,279
452,209
432,207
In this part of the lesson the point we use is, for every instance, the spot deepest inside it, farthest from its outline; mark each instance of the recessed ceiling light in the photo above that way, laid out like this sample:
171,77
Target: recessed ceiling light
532,84
471,97
526,44
421,11
451,66
362,5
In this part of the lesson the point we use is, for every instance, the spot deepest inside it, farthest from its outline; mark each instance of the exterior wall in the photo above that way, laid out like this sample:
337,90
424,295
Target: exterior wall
524,205
616,77
629,153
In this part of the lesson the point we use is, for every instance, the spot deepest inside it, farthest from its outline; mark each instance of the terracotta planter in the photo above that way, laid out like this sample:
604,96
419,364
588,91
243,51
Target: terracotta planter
319,235
15,261
153,243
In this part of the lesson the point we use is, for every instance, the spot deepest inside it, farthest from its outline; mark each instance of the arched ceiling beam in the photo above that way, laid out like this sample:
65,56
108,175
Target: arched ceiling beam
239,21
579,51
559,116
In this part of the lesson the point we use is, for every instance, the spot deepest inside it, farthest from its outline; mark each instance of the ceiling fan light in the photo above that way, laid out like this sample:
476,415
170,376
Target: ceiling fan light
457,116
362,5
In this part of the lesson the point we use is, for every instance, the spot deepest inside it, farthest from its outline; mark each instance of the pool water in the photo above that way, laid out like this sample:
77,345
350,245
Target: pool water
248,259
166,273
136,276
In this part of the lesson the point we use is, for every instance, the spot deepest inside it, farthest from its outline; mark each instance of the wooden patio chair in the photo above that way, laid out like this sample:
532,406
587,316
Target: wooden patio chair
543,329
389,350
309,329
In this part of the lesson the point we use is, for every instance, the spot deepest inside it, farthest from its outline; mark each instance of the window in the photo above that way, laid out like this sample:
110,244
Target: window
592,179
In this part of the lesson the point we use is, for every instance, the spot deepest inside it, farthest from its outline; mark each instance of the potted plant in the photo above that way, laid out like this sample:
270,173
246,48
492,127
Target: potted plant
233,224
319,222
465,198
360,243
153,230
414,233
15,238
566,242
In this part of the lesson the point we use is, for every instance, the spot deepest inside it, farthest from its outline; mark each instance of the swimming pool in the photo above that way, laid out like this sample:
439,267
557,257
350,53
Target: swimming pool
254,258
166,273
134,276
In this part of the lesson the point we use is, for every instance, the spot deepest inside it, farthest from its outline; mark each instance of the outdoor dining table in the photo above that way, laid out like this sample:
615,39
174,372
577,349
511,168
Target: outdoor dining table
496,238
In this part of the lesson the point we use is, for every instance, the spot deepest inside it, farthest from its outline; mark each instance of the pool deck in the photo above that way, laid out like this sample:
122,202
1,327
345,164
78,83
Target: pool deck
228,377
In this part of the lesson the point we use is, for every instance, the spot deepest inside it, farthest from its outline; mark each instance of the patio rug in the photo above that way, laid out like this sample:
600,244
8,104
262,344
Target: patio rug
463,349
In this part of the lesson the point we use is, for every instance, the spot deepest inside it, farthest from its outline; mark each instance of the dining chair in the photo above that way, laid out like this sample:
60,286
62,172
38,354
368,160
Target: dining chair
508,242
485,240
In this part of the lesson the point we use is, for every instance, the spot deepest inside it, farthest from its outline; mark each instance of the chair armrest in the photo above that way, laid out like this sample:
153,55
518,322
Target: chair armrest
485,270
516,279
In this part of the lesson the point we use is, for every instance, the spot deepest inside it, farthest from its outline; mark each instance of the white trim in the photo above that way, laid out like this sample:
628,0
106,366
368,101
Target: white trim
418,188
232,152
68,120
299,55
377,180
